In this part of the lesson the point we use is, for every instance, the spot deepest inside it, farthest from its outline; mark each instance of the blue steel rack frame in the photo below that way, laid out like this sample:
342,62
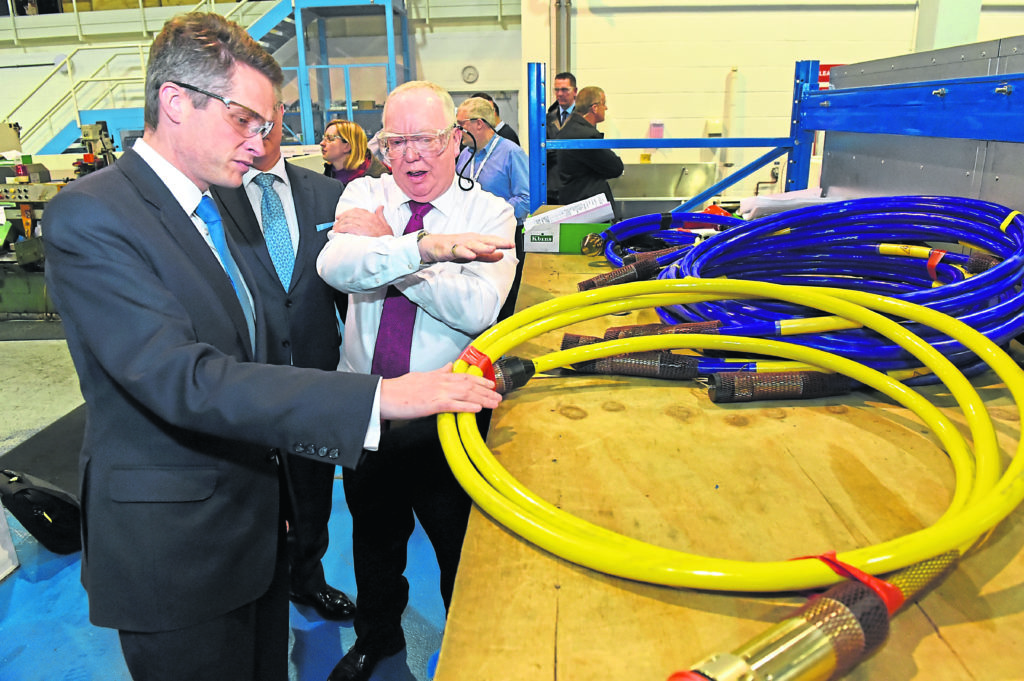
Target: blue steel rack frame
982,108
392,9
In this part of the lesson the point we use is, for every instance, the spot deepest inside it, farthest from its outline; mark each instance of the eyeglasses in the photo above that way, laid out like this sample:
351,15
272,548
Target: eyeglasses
426,143
462,124
244,120
334,138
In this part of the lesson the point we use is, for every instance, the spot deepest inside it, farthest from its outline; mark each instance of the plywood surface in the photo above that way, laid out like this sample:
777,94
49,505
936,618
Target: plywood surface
659,462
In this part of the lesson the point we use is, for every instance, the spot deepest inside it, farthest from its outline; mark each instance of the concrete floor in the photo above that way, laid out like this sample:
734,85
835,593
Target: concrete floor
38,385
44,628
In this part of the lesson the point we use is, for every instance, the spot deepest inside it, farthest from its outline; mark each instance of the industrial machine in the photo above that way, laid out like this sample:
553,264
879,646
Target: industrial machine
25,188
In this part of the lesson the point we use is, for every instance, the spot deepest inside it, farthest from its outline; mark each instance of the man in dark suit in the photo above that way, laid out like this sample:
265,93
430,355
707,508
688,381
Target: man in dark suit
585,172
183,509
559,112
302,328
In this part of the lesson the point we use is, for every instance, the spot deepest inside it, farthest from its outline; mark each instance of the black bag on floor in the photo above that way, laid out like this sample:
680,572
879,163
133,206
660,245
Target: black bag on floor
50,514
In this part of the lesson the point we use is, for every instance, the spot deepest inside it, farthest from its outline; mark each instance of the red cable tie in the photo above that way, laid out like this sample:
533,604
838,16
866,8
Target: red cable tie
474,357
889,593
933,260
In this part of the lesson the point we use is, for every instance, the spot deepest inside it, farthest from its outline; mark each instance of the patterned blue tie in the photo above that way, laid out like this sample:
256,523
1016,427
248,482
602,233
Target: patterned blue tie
275,230
208,213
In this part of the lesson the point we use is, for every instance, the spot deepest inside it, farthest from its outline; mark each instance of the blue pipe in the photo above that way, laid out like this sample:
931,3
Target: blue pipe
839,245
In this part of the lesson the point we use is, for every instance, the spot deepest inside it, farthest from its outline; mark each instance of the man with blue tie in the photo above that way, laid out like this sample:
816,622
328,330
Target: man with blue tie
279,218
558,113
183,498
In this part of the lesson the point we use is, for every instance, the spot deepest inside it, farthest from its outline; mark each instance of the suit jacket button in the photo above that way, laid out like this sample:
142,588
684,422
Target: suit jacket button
298,448
333,454
289,302
322,451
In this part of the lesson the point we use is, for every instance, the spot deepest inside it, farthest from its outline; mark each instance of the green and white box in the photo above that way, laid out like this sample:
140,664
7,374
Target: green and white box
560,230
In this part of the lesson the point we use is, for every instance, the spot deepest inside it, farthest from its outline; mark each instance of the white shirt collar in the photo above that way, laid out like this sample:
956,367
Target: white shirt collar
277,171
185,192
445,204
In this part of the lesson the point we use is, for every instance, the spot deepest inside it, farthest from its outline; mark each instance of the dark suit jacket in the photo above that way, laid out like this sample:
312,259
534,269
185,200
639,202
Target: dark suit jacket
553,128
302,329
508,133
585,172
180,487
301,325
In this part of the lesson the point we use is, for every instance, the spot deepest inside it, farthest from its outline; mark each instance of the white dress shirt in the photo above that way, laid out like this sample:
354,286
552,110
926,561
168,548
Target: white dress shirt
186,193
457,301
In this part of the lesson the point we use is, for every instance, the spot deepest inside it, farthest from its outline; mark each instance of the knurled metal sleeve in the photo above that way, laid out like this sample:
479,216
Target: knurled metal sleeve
853,617
782,385
574,340
653,364
979,262
650,255
616,332
641,270
511,373
915,579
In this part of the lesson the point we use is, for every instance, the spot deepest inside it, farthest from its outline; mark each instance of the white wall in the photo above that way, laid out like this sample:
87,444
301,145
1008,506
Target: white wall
693,63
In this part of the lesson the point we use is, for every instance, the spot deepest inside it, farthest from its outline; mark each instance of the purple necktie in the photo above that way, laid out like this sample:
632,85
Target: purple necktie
394,335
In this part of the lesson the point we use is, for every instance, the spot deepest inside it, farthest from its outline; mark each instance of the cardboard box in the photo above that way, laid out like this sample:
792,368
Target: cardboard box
8,556
561,229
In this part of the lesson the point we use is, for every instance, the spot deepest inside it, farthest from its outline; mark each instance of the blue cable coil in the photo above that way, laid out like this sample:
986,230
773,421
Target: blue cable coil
888,245
671,230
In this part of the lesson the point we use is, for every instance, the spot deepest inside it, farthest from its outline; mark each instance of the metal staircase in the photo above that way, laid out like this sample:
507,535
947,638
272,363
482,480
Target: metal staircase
105,81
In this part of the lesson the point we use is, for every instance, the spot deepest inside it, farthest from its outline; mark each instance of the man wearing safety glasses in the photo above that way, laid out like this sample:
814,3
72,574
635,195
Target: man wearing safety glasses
427,266
184,498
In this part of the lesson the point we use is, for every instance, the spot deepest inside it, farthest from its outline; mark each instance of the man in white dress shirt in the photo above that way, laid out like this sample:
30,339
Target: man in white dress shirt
402,240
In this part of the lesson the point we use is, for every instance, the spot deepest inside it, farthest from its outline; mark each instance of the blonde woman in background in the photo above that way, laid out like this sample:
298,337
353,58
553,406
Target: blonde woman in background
345,152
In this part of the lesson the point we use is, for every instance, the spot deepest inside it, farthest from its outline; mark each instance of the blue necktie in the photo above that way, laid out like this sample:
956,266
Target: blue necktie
394,334
275,230
207,212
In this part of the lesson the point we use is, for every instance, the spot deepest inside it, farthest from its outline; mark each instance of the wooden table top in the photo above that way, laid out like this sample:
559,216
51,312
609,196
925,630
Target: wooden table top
658,461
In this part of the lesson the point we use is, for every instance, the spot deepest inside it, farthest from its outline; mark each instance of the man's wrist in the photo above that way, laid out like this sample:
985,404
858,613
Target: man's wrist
420,235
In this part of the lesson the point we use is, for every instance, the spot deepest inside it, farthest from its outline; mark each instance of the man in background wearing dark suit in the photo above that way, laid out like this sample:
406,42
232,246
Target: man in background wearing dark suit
561,109
500,126
183,499
280,236
585,172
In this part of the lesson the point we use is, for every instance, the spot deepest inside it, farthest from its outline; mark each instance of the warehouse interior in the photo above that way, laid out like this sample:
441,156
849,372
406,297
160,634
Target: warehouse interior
675,552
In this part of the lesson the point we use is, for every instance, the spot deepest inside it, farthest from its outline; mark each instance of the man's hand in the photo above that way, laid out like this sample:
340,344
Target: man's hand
433,392
463,247
363,222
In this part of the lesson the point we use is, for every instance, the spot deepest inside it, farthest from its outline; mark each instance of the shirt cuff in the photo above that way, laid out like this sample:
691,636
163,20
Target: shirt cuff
372,440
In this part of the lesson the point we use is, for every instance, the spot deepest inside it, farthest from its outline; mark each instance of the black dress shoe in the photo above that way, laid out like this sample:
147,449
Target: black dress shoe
330,603
357,665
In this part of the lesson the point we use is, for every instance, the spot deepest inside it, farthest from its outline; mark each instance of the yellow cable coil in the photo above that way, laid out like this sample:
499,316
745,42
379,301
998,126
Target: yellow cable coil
982,497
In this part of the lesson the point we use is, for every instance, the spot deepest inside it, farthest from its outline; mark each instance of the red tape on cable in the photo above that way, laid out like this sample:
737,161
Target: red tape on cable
474,357
889,593
933,261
